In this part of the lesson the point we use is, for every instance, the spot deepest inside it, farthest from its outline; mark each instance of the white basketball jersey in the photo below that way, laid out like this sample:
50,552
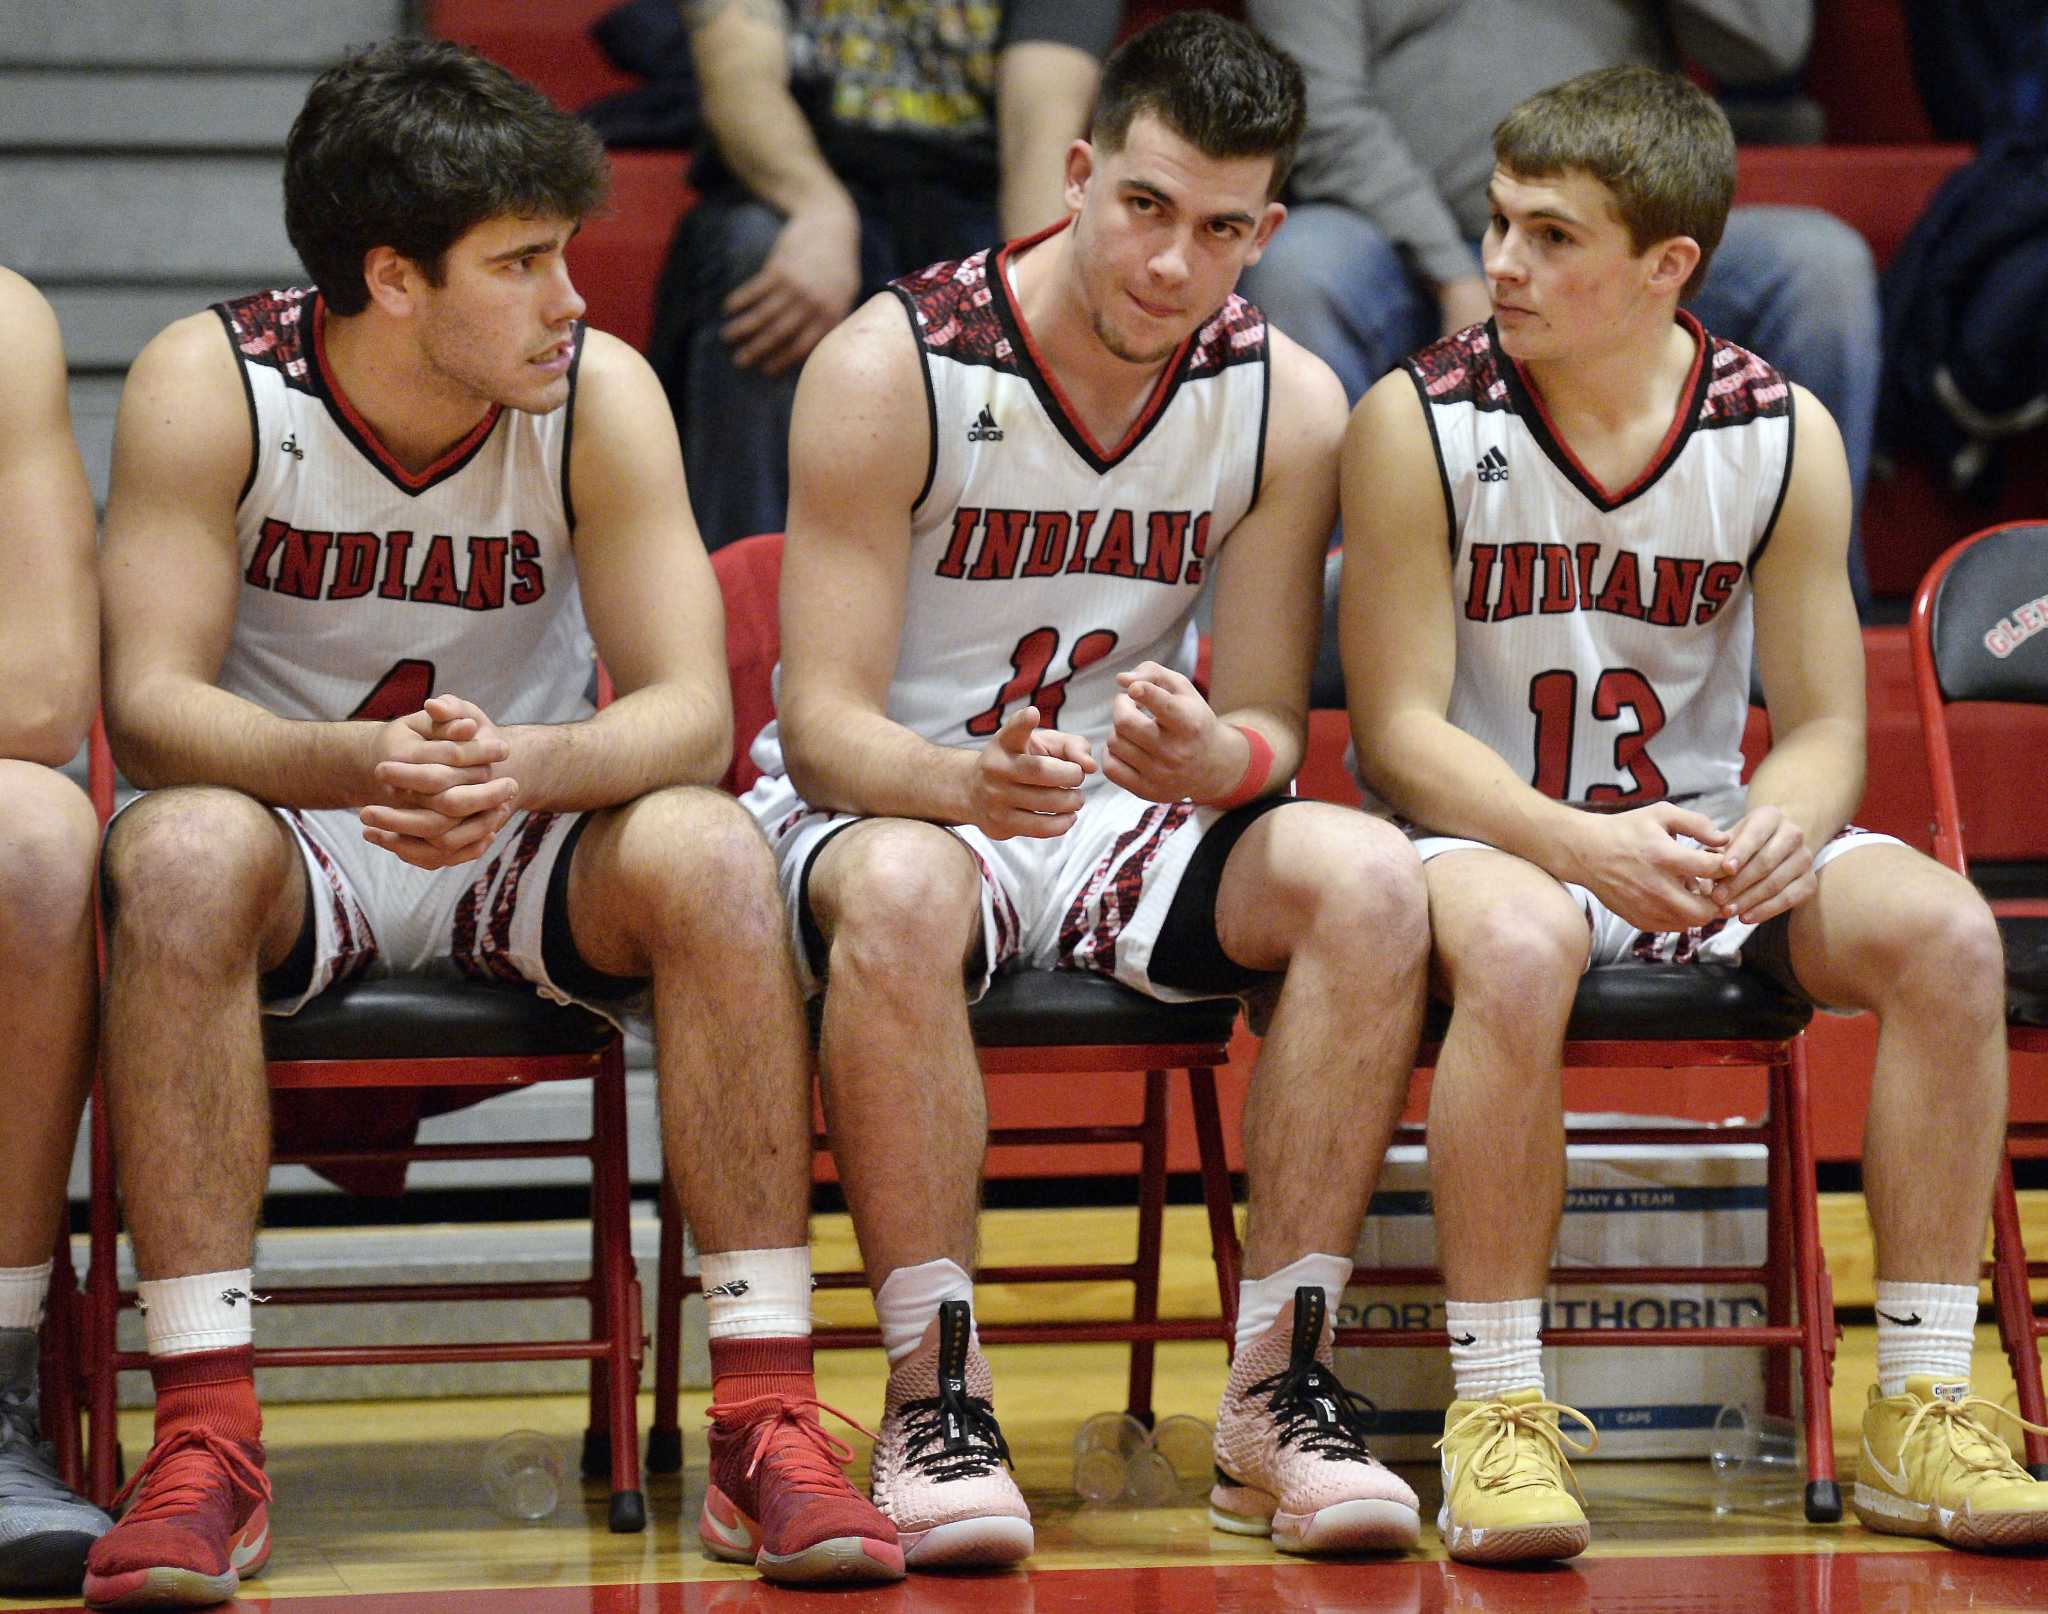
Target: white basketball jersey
366,587
1042,563
1603,638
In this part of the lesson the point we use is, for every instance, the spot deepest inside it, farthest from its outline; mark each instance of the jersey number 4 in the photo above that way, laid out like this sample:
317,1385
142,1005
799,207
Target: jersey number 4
399,693
1030,662
1554,698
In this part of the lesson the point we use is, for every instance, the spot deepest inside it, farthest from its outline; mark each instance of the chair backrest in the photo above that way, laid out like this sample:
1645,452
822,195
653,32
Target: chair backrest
749,576
1987,616
1978,632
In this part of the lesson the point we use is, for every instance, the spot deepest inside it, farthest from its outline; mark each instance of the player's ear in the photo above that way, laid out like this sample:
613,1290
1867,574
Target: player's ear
1080,169
1262,232
392,281
1672,263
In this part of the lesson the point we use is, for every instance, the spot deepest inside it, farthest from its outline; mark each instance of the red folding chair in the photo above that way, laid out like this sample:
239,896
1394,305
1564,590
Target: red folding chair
1979,632
456,1041
1029,1022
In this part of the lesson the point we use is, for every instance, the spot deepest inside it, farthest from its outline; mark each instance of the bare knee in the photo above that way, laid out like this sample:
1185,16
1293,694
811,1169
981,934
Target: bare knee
688,861
1324,881
47,842
1940,953
195,870
892,895
1515,958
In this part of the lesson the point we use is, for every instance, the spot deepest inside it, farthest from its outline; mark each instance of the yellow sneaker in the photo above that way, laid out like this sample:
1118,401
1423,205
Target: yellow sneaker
1931,1468
1505,1479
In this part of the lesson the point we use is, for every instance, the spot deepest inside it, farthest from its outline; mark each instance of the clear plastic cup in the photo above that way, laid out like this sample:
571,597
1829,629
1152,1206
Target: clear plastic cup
1104,1447
1149,1480
1755,1460
1189,1446
522,1475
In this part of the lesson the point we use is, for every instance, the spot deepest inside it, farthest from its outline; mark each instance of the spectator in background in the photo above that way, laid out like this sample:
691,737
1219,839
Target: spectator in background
850,144
1379,256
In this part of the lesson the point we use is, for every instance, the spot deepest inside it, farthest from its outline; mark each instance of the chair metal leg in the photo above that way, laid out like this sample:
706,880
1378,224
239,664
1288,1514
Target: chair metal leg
102,1302
597,1438
1151,1218
610,1210
1816,1293
1779,1251
1216,1192
664,1434
2018,1330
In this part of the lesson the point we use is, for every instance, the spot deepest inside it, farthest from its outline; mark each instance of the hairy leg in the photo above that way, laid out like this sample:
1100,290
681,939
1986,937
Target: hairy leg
679,886
48,840
1336,900
1510,945
206,893
1898,934
900,904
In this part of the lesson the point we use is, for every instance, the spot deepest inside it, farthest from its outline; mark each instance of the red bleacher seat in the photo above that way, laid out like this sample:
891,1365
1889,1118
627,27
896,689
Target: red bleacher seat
546,42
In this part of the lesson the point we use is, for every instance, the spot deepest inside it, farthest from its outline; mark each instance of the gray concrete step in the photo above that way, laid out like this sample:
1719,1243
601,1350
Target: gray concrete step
85,219
106,326
188,33
70,109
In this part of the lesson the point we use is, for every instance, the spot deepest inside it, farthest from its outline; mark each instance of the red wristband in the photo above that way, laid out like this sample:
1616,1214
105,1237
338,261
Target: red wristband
1257,769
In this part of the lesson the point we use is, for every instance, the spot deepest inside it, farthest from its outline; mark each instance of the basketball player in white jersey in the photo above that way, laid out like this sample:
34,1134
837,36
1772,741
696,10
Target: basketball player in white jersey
1012,477
49,621
1566,527
363,544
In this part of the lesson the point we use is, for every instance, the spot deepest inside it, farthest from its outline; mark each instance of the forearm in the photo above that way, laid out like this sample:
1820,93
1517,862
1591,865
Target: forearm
654,738
1044,91
1743,41
855,760
188,733
1285,731
1814,775
1434,774
742,58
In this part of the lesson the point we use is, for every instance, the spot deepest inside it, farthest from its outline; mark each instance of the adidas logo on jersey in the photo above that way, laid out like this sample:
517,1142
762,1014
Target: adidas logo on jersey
1493,466
985,429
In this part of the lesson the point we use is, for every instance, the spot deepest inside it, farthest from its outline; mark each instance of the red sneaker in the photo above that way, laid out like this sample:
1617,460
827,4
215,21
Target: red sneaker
199,1524
779,1498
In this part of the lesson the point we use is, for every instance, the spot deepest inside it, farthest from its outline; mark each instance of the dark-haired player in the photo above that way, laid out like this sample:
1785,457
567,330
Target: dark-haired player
363,545
1012,478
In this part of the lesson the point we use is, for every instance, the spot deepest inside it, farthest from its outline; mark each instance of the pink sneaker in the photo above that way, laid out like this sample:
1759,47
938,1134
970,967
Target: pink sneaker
937,1470
1291,1460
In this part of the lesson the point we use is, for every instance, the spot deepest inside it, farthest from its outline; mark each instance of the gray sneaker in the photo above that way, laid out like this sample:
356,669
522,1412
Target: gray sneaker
45,1528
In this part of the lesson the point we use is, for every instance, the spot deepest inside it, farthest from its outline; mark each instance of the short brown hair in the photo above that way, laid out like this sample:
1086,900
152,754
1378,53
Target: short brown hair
1657,141
413,143
1225,88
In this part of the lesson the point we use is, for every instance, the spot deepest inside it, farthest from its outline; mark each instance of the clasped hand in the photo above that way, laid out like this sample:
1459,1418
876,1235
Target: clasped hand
440,794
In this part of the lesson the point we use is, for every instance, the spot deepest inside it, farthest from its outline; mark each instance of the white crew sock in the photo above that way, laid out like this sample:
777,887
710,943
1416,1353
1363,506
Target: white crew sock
757,1294
1259,1300
22,1292
1496,1346
1924,1328
910,1298
206,1311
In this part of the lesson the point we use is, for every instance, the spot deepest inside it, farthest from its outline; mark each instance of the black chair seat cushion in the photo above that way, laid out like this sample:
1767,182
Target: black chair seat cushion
2026,970
431,1017
1043,1008
1673,1003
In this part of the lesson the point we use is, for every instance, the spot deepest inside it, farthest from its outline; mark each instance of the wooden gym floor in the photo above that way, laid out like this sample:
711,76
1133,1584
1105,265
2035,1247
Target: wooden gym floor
379,1511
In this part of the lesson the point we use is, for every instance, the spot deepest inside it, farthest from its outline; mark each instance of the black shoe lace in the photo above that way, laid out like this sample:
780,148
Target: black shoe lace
953,1435
1314,1410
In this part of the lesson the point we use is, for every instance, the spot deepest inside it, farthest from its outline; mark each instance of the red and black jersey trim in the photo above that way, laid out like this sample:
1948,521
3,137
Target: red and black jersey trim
1692,400
359,433
1052,397
1784,486
266,328
1463,367
931,399
1742,388
569,424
